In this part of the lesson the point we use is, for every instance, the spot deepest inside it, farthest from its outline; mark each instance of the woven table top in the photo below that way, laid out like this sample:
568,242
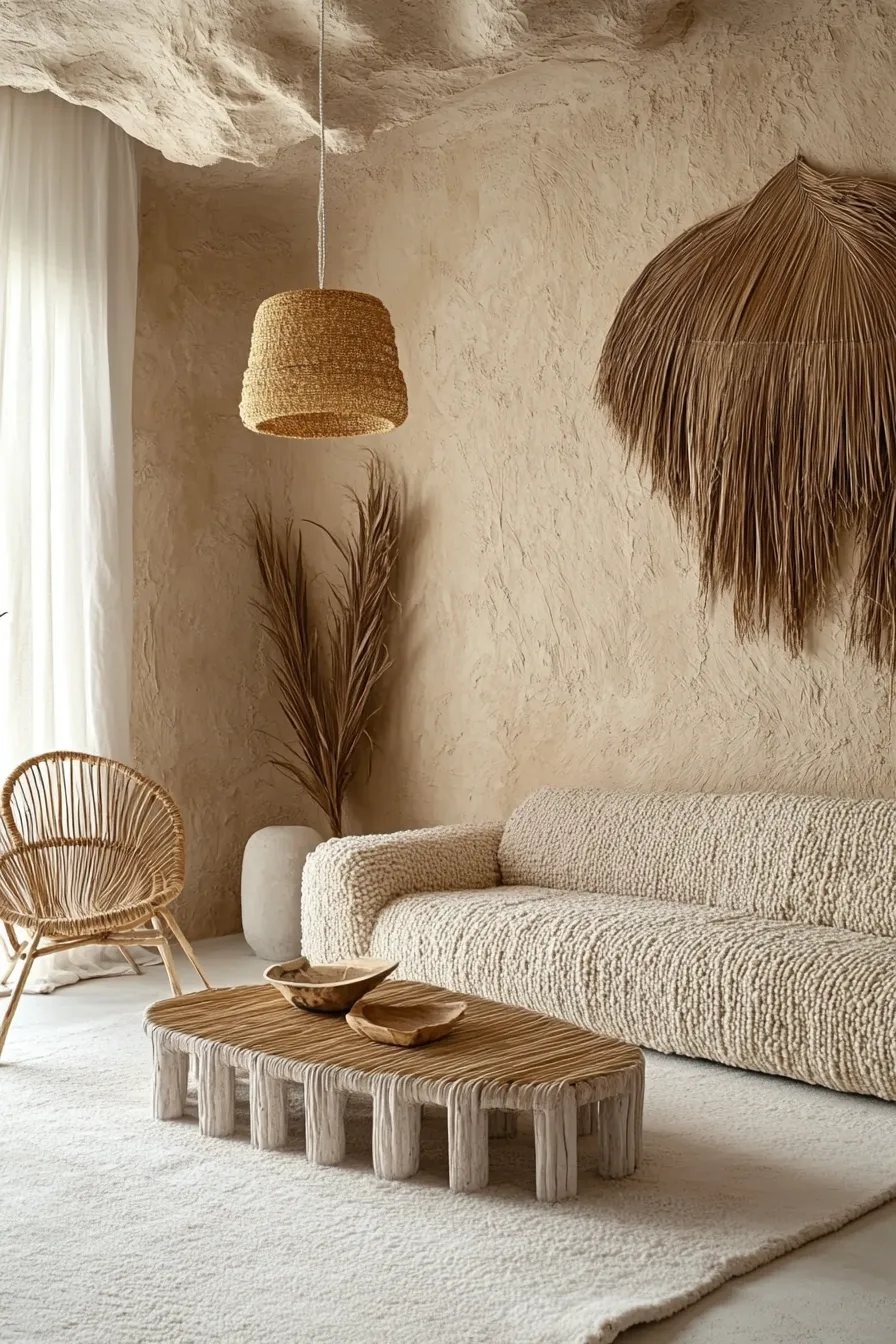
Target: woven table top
492,1042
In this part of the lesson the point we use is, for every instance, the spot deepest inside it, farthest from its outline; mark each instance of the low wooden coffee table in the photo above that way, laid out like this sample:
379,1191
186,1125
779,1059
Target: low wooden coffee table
497,1062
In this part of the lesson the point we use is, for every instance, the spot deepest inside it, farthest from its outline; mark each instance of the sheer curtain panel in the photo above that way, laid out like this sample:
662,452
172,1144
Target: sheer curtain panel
68,280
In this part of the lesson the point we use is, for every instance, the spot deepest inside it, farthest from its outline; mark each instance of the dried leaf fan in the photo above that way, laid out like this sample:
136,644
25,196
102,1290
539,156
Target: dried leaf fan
327,677
323,362
752,371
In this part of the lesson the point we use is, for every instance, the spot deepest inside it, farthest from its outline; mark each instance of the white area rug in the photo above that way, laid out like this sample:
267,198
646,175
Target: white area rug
120,1228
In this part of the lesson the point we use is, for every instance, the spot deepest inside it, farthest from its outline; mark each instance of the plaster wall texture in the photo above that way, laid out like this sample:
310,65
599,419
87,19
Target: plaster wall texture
202,690
552,630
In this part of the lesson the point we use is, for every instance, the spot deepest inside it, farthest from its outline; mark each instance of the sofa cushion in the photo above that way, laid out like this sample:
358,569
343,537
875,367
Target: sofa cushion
812,1003
829,861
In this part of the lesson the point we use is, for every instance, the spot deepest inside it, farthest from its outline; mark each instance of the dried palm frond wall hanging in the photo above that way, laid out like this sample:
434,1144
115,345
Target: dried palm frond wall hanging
751,370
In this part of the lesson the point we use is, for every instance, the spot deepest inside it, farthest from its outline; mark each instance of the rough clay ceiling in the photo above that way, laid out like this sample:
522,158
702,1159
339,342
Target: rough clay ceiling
202,80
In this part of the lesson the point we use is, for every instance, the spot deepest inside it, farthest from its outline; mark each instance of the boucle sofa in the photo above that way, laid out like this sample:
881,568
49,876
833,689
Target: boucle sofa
757,930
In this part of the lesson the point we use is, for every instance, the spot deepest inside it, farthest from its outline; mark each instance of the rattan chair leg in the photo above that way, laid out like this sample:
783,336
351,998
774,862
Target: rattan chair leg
14,960
10,966
30,952
168,958
134,965
188,951
13,949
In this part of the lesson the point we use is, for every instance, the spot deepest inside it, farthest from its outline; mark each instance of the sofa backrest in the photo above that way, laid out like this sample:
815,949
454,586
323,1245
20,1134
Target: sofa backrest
827,861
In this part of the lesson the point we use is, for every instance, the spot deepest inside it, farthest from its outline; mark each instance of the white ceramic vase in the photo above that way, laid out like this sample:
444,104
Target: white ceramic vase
271,889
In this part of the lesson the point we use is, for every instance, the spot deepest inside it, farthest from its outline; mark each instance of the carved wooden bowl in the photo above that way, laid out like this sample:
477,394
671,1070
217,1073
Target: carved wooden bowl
327,989
408,1024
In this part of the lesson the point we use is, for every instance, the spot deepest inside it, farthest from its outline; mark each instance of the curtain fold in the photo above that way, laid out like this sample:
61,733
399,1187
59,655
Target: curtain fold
68,292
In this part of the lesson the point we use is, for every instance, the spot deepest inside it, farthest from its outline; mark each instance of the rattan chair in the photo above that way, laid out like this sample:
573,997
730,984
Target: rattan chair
95,854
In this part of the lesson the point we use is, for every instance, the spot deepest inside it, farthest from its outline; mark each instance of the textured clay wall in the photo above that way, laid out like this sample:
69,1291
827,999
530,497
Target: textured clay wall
201,687
552,630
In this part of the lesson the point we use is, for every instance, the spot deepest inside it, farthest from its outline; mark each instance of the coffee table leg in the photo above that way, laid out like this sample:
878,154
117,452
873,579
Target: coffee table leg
556,1150
324,1123
268,1113
214,1095
501,1124
467,1143
396,1134
169,1081
619,1126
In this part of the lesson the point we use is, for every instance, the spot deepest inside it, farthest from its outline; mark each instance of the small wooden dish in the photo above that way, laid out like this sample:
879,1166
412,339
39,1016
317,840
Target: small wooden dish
407,1025
327,989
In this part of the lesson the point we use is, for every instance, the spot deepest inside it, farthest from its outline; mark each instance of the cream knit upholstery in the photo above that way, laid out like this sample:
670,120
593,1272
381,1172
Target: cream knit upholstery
755,930
346,883
816,860
811,1003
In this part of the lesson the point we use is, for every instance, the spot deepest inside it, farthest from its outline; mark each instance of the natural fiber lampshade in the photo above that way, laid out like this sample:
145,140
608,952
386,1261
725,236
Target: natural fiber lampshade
323,364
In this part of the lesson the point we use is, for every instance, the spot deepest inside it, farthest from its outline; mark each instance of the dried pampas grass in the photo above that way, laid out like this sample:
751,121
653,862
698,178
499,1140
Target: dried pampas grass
326,684
751,369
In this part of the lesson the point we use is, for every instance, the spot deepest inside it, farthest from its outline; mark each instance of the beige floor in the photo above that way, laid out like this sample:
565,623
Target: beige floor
839,1289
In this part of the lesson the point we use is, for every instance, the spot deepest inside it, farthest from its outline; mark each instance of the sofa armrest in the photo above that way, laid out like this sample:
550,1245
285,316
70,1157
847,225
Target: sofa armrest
346,882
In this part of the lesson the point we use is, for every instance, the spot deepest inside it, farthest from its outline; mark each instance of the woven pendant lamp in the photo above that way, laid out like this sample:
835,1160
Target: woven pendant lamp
323,365
323,362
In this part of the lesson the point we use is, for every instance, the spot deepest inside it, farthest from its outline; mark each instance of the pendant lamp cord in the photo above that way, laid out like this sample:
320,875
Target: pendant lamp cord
321,192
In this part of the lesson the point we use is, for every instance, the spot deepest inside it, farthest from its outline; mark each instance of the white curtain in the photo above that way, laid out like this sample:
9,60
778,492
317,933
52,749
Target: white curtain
68,279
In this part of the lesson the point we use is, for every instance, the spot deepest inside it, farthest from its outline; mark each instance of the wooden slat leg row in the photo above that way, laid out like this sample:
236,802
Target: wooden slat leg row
499,1062
324,1122
169,1081
556,1150
396,1133
619,1129
467,1142
268,1107
215,1095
